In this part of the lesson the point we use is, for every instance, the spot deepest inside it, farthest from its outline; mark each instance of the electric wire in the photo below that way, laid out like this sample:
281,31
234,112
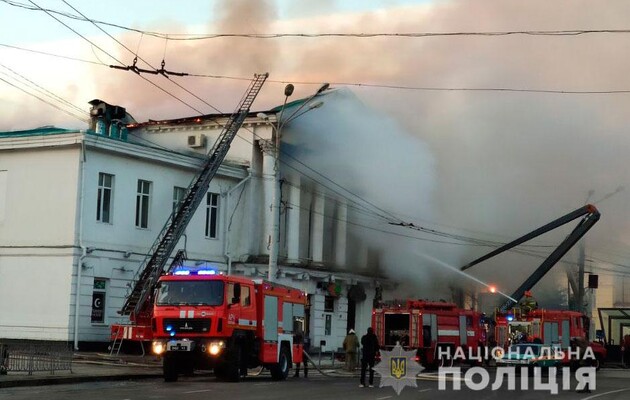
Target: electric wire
143,60
356,84
44,101
45,91
52,54
114,58
360,35
385,214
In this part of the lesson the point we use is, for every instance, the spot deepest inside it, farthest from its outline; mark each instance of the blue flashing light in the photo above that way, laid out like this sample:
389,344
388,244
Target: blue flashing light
182,272
510,318
169,328
206,272
172,333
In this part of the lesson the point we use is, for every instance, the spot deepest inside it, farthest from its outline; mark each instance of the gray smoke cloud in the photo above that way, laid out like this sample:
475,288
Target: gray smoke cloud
499,164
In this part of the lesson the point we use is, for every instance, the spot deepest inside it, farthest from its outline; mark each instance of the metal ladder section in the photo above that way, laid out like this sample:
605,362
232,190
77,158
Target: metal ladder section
153,264
114,348
118,340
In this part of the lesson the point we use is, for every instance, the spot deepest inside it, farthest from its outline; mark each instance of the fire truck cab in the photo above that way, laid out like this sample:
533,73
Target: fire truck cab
205,320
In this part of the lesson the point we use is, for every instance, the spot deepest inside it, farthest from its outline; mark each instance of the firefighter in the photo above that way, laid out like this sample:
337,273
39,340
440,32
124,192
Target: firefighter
351,347
300,339
369,341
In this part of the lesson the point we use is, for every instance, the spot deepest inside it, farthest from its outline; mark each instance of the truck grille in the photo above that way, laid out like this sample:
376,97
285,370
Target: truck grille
186,325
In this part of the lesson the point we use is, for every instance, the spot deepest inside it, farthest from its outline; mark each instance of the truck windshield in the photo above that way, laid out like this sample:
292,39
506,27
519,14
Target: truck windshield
208,293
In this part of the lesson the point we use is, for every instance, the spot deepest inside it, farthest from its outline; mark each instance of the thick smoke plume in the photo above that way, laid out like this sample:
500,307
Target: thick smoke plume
502,163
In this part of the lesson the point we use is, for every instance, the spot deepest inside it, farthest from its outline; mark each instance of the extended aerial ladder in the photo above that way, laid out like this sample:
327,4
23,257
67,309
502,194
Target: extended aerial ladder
590,216
138,301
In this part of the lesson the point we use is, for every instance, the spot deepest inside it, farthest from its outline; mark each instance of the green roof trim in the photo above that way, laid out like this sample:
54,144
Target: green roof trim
289,104
43,131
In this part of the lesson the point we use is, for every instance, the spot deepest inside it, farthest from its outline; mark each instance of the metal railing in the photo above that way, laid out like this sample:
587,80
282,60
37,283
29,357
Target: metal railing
35,358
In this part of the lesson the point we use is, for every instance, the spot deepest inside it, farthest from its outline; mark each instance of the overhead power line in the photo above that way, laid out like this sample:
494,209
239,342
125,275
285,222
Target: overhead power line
44,100
385,215
350,84
114,58
359,35
43,90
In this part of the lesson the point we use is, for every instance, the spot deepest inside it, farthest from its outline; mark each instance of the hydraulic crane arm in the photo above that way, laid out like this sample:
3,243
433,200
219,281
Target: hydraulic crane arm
590,216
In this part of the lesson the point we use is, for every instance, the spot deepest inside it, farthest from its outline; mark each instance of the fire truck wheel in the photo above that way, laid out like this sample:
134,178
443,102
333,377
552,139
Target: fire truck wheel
170,369
280,371
597,363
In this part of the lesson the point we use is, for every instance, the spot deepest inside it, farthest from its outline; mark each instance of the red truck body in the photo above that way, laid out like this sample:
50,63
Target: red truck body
226,323
431,328
550,327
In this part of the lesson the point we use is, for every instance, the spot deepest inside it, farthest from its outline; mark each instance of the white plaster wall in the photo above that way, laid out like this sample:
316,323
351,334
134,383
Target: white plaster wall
37,235
122,232
176,137
40,197
111,240
35,289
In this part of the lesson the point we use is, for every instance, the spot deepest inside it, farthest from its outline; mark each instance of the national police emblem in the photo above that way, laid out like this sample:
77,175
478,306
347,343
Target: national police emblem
398,368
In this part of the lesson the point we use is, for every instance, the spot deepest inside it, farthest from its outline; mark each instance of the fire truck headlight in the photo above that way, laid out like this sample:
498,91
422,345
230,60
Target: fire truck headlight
215,347
158,347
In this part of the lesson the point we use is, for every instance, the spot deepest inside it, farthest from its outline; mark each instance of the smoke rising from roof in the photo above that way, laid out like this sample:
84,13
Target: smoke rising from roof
490,164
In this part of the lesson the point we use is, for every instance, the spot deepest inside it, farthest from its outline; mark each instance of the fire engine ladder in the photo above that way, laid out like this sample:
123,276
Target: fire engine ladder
153,265
118,340
590,217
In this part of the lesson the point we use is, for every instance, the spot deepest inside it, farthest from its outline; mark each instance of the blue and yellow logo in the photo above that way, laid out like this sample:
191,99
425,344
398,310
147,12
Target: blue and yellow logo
398,367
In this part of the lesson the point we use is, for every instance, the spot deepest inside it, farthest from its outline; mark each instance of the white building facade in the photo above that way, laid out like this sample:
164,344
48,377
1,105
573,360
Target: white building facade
79,211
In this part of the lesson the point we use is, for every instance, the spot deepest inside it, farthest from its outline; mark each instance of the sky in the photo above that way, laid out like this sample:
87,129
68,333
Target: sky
495,164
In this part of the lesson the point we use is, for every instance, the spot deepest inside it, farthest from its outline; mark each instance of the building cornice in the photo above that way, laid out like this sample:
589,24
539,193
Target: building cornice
118,147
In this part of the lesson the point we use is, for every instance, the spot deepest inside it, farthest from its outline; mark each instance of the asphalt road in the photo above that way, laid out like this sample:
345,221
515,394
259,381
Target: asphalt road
611,385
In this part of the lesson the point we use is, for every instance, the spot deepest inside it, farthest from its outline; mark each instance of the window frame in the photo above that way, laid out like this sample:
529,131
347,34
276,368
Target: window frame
212,211
179,194
100,192
143,203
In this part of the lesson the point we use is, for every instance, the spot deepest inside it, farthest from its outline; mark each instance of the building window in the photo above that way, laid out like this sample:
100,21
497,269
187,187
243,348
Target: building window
104,197
212,215
178,196
329,304
328,325
98,301
142,203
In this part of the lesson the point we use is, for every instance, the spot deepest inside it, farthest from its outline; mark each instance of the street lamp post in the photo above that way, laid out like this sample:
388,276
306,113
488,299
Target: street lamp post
274,235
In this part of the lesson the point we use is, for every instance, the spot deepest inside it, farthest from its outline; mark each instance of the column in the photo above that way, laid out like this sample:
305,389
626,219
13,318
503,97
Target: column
293,221
341,234
317,228
268,182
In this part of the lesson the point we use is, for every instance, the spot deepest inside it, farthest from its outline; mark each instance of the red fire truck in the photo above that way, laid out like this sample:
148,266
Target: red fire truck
550,327
431,328
520,320
204,320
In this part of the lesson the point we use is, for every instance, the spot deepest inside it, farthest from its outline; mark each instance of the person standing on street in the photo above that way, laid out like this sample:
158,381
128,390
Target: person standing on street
369,341
300,338
351,347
